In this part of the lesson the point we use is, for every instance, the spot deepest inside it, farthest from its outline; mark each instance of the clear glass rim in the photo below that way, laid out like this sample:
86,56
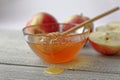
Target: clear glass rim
44,34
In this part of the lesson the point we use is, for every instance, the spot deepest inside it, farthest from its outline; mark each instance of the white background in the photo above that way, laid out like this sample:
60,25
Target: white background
15,13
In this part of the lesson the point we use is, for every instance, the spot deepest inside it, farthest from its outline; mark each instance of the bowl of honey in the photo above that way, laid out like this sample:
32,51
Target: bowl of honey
57,49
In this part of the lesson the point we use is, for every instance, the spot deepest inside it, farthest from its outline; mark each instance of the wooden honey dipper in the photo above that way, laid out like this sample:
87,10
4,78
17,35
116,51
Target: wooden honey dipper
86,22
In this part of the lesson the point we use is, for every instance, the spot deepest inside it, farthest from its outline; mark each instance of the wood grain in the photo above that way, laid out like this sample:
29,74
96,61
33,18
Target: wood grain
37,73
22,62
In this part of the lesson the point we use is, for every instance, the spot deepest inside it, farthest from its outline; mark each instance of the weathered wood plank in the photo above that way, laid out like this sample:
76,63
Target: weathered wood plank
14,50
36,73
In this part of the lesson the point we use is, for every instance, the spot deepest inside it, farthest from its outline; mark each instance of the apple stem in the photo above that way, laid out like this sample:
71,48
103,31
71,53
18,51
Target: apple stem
81,14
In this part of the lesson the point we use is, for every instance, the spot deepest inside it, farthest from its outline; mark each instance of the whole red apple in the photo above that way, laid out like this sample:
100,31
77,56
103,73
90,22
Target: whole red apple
107,43
77,19
33,29
46,22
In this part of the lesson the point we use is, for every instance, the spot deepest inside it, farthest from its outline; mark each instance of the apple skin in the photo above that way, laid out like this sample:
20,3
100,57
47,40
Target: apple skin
106,43
105,50
89,25
46,22
77,19
33,29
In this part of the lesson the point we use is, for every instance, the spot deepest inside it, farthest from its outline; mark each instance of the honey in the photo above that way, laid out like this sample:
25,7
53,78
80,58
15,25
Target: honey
60,51
54,70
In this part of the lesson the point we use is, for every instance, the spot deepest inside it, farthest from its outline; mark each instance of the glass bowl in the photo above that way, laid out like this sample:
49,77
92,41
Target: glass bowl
57,49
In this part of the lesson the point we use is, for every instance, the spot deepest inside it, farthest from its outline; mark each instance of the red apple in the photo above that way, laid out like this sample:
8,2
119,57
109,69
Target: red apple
46,22
77,19
107,43
33,29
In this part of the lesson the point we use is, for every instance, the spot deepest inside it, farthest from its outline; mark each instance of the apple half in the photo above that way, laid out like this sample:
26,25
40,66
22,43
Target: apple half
111,26
107,43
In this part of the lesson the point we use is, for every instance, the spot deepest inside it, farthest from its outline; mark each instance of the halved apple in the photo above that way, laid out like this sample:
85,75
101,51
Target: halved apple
107,43
111,26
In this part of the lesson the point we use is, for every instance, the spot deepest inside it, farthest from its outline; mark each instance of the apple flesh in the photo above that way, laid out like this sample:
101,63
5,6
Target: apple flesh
111,26
45,22
107,43
77,19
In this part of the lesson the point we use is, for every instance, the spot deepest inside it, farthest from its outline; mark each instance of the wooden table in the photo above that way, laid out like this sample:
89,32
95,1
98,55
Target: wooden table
18,62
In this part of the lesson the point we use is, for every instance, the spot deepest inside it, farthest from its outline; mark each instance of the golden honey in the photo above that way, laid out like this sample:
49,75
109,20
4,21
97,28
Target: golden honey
54,70
58,52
